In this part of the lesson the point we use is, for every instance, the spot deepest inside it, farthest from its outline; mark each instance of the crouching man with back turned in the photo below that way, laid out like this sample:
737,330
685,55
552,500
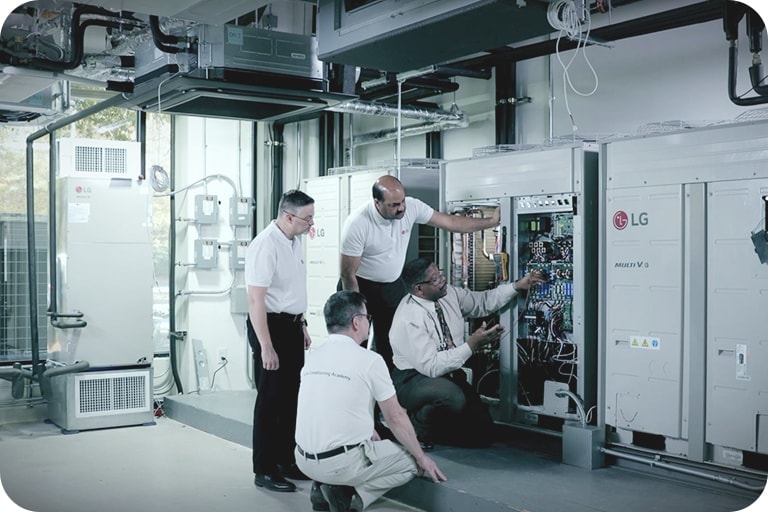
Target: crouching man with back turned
335,440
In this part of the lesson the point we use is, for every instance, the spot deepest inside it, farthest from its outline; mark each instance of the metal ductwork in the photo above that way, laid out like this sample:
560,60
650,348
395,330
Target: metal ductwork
434,119
409,112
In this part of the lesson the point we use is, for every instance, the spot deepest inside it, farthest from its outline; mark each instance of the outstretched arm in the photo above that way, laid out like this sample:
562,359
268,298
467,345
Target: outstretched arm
462,224
401,426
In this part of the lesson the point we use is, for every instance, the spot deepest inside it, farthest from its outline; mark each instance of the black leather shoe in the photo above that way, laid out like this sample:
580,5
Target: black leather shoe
291,471
273,482
337,496
316,498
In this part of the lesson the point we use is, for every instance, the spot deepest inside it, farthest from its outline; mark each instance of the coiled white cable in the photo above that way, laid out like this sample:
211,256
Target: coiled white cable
158,178
563,16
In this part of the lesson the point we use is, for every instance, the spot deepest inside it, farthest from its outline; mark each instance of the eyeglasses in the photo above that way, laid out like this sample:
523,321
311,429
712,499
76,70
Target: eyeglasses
435,280
308,220
366,315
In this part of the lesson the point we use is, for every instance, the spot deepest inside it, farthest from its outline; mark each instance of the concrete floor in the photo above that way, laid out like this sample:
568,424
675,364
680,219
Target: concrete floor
167,467
197,459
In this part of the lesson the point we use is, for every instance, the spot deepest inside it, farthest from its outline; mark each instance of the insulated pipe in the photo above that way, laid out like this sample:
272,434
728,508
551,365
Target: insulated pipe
174,336
389,134
45,378
16,376
408,112
656,462
436,120
31,245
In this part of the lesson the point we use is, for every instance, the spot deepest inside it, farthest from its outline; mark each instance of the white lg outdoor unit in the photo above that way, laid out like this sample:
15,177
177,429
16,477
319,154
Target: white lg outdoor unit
104,272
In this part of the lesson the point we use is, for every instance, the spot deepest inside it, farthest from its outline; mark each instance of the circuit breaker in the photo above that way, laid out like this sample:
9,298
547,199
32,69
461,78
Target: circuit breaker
237,251
240,211
206,209
206,253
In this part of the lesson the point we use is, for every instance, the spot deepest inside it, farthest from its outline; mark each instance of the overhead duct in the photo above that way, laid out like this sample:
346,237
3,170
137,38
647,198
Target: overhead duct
409,112
239,72
383,34
434,119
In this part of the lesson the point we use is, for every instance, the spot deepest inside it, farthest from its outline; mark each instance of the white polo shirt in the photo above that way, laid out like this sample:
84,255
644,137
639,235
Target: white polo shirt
381,243
274,262
340,382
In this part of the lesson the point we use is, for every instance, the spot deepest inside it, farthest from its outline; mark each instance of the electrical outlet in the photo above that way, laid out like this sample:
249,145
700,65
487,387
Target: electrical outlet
222,353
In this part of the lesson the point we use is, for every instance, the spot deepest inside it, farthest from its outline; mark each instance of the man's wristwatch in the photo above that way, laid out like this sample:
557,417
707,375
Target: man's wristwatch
304,322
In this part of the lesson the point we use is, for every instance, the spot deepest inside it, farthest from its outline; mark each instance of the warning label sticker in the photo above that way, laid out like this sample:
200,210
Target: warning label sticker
645,342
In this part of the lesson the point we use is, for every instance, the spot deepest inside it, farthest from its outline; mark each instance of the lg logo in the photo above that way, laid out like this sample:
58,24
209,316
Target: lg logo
621,219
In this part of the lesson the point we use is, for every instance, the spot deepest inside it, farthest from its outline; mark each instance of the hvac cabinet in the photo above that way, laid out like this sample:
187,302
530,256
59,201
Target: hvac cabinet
684,294
548,201
336,195
103,271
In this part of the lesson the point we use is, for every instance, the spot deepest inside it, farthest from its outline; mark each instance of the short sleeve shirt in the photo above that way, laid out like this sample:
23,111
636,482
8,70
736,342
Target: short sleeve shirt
382,243
274,262
340,383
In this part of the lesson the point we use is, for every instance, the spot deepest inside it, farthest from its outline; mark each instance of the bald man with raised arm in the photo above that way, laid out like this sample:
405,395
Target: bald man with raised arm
374,245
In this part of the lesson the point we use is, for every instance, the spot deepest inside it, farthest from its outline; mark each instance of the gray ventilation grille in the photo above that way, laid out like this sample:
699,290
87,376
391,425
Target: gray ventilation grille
99,395
101,160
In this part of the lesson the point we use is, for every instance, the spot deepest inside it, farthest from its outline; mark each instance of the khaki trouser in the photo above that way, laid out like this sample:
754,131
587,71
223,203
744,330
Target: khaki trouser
372,469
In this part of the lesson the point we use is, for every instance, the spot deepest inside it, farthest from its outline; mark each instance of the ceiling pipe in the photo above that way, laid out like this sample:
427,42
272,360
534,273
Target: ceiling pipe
434,119
409,112
408,131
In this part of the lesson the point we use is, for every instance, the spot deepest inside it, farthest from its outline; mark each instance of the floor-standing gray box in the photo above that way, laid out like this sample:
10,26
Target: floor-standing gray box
684,294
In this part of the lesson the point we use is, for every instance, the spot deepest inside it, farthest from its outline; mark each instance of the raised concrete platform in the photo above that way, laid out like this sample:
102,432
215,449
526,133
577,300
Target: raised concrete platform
521,471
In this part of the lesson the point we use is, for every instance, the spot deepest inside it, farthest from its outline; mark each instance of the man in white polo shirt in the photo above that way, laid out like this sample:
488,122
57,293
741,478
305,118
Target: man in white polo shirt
374,244
336,443
276,276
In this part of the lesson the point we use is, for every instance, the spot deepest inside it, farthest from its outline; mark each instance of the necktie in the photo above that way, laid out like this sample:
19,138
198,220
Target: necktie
447,339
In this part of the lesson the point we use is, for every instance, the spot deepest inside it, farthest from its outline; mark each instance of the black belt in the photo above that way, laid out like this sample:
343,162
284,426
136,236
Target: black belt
287,317
329,453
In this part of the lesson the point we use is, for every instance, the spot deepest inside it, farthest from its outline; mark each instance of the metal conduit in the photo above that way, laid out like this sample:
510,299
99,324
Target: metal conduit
408,112
655,462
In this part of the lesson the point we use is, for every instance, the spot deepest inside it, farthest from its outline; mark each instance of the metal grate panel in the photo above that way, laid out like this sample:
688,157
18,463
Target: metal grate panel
99,395
15,329
88,159
115,160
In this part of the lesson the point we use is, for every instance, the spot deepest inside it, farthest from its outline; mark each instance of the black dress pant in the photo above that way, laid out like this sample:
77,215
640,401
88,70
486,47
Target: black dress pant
444,409
381,301
274,414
